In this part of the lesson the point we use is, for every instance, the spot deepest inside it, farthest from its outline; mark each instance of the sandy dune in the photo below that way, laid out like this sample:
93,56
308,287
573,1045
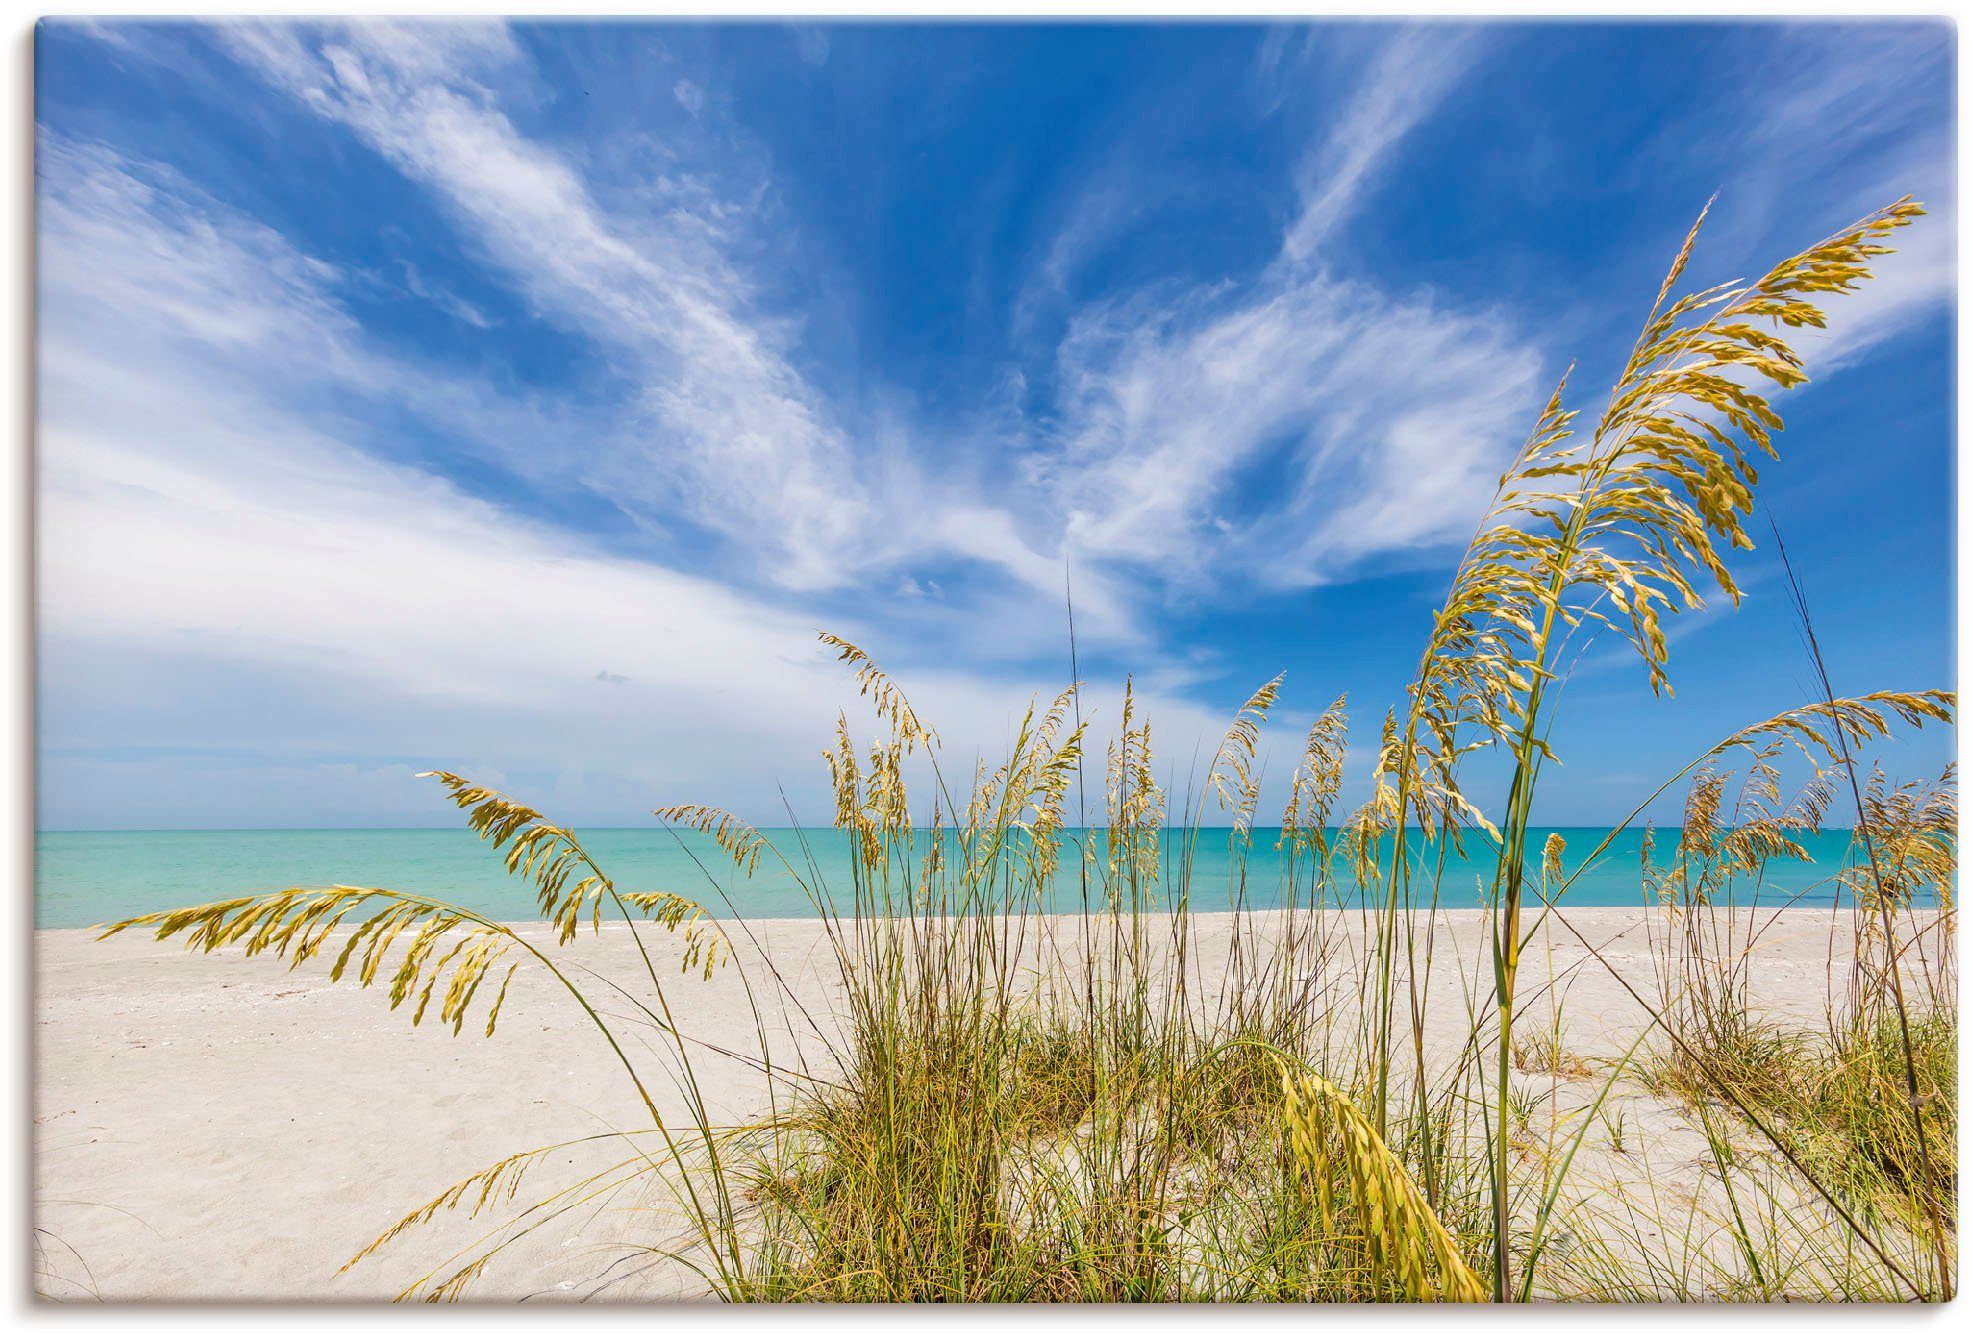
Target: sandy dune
213,1128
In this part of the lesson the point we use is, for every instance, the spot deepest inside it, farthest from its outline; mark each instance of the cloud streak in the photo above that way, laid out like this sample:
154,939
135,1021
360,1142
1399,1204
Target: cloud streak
721,425
312,611
736,433
1290,430
1405,80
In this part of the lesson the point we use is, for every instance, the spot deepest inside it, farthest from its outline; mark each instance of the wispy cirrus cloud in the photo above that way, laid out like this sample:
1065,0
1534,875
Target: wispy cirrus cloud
1368,424
722,425
734,431
1400,87
136,256
1823,112
1288,429
1872,138
313,613
243,510
1281,432
1310,423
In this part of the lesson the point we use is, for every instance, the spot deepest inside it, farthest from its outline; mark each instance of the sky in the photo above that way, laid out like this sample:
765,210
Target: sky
521,399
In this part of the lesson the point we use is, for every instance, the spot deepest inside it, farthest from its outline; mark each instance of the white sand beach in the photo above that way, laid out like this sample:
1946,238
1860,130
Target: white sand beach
213,1128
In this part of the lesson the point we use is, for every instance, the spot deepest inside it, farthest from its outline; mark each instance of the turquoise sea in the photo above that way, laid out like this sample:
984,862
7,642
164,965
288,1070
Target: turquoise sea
84,878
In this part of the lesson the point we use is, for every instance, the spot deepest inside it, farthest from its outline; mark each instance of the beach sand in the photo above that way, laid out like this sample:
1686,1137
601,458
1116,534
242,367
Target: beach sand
208,1127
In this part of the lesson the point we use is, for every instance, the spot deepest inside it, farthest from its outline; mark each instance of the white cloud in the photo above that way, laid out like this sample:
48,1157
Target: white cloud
1919,280
1342,389
1285,431
134,253
1846,84
443,297
203,532
138,240
1827,111
1402,85
735,433
221,527
725,428
1368,424
1295,428
361,609
223,574
1105,208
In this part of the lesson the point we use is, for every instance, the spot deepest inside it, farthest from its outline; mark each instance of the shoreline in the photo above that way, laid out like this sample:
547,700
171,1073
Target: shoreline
85,878
1791,908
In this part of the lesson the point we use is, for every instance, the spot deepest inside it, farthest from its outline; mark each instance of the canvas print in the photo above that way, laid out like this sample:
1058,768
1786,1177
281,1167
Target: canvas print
982,662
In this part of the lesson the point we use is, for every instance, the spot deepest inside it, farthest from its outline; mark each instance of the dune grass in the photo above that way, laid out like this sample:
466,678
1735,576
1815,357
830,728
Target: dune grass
1023,1105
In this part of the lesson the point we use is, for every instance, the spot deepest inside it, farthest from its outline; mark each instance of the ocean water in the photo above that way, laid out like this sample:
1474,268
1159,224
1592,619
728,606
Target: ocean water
85,878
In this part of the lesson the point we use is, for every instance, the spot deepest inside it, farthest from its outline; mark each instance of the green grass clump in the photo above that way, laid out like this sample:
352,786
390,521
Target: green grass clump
1846,1108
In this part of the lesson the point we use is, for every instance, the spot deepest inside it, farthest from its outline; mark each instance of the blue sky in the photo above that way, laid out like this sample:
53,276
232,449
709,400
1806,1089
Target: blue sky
520,399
